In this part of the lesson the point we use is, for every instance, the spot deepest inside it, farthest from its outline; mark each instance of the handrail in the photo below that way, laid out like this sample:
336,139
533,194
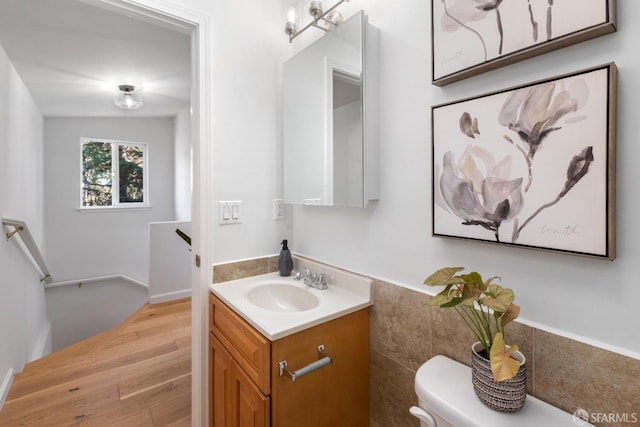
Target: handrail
80,282
184,236
20,227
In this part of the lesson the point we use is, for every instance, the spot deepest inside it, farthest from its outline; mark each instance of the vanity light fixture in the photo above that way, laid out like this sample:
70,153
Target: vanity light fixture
127,98
324,20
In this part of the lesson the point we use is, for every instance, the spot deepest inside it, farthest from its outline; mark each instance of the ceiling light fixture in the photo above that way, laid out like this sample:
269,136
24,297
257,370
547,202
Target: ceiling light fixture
127,98
326,21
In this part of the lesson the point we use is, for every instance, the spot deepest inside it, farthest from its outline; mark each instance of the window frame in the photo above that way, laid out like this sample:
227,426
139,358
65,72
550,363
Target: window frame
115,175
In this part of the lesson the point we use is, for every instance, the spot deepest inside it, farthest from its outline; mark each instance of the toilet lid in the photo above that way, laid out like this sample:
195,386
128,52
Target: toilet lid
444,389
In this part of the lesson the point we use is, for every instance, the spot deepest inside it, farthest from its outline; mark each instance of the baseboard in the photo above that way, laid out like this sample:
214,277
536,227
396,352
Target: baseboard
6,385
43,345
155,299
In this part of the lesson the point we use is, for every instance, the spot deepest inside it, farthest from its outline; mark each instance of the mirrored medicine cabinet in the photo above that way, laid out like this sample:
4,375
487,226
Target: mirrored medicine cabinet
330,118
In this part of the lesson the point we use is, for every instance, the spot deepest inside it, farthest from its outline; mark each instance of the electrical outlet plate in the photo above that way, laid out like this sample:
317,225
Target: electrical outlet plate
278,209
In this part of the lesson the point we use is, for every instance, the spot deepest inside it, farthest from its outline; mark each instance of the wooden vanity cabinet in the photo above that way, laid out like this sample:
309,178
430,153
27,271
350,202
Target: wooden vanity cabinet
239,374
246,388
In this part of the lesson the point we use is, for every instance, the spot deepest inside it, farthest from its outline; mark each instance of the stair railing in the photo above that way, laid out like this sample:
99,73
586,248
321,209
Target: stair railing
20,228
184,236
80,282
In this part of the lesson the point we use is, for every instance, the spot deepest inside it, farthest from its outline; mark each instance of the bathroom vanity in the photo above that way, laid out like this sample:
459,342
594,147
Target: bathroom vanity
286,355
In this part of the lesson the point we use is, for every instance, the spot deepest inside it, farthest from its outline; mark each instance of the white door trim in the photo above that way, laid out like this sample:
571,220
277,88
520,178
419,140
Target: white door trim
198,25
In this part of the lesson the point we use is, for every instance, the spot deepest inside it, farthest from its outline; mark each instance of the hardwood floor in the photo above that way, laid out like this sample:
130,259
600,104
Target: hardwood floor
137,374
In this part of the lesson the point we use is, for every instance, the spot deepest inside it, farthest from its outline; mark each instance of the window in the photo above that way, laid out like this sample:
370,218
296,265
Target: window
113,174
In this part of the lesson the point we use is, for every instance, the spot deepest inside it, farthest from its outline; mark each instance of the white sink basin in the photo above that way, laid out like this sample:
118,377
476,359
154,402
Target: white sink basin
282,297
279,306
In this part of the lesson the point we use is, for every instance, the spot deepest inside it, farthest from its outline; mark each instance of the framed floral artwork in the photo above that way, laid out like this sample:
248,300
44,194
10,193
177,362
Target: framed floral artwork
531,166
470,37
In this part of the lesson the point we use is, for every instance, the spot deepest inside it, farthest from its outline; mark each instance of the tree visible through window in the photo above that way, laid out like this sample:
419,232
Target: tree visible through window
113,173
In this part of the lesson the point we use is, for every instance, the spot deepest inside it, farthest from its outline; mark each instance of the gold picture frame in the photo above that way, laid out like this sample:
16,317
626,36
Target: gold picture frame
470,37
531,166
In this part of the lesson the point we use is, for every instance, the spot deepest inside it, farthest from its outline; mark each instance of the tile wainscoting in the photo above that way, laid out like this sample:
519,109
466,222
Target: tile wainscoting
241,269
405,332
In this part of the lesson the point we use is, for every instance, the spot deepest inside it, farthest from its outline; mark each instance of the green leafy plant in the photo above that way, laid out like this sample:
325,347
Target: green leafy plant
485,307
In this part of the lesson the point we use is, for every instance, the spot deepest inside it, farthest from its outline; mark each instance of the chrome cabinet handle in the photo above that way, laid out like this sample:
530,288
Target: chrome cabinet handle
323,360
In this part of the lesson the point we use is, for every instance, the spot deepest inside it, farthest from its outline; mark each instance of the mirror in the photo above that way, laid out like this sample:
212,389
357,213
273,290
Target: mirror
329,118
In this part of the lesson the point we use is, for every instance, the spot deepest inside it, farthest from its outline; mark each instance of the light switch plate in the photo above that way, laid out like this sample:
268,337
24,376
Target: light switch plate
230,212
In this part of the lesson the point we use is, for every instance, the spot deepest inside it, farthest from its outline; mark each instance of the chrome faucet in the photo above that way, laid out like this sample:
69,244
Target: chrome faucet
315,280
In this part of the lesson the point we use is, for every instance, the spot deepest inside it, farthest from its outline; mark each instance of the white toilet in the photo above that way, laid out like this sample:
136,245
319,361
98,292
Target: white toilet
446,399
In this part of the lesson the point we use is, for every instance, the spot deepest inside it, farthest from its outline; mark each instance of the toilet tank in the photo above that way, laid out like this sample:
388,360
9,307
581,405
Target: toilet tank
446,399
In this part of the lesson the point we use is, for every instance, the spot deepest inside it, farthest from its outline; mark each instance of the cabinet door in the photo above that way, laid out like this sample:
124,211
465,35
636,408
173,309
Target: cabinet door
250,406
220,373
336,395
235,400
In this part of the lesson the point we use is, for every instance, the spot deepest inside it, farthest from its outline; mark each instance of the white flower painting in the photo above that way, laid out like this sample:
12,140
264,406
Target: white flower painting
470,36
531,166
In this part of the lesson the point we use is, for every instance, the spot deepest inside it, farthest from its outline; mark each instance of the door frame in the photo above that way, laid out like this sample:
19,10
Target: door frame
198,25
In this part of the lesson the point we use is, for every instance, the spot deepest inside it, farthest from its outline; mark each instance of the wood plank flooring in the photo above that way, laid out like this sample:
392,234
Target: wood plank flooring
137,374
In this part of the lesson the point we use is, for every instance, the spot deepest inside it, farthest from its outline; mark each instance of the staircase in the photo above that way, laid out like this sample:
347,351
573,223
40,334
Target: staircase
136,374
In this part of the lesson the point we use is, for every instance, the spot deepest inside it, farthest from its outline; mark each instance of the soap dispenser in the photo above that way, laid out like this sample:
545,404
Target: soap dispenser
285,263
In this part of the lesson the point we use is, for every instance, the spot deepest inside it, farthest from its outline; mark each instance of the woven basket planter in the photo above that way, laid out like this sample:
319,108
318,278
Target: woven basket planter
503,396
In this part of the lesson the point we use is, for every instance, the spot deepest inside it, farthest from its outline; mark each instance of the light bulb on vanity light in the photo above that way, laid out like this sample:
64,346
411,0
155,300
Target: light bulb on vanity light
292,15
315,9
291,28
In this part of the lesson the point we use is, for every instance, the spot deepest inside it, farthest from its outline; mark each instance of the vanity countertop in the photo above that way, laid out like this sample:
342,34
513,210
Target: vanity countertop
346,294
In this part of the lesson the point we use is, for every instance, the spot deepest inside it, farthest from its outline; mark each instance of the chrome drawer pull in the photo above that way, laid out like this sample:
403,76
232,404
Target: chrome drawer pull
323,360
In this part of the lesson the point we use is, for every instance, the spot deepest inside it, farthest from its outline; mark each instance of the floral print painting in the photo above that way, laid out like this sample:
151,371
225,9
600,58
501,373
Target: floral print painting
470,34
529,166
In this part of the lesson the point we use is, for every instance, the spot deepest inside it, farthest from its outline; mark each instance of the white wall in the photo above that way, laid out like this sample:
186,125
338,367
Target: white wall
182,165
169,261
22,305
247,165
594,300
80,312
89,243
